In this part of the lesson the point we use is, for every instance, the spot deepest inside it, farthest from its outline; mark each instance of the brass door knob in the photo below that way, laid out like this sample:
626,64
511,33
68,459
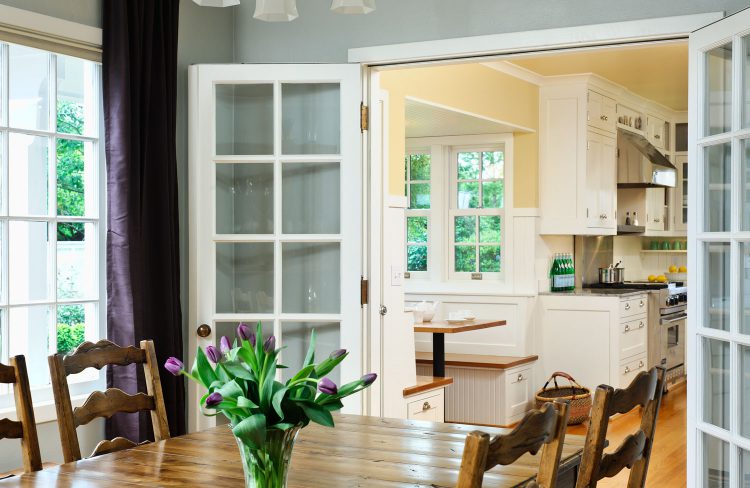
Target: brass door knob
204,330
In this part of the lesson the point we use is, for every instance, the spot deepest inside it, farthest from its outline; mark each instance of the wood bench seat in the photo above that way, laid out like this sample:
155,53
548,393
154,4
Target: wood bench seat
478,360
427,383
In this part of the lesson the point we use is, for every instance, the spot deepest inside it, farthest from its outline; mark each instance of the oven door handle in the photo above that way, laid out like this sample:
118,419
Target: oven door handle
679,318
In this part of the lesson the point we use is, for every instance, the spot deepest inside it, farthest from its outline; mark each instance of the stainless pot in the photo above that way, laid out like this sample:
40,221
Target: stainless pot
611,275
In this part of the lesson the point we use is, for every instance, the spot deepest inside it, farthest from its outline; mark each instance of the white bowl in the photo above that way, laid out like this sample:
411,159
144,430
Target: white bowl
676,276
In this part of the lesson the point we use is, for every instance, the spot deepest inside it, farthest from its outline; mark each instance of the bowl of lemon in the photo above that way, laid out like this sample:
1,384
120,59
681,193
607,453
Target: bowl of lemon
677,273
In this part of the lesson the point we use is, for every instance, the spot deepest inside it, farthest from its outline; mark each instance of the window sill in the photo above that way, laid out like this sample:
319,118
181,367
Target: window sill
478,287
44,412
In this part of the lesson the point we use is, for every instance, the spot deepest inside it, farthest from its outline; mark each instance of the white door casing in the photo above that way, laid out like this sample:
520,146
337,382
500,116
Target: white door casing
718,353
265,138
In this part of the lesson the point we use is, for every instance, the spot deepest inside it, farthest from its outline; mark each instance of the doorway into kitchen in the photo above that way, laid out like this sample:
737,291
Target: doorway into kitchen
506,164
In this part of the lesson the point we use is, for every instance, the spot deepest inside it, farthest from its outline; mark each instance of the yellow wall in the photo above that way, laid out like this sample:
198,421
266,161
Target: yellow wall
476,89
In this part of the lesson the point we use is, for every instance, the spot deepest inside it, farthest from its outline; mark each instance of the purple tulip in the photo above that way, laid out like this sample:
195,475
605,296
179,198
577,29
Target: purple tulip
270,344
245,333
214,399
327,386
224,344
213,354
174,366
337,353
369,378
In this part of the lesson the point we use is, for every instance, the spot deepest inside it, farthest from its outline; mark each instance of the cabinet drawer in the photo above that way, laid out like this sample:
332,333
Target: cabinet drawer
602,112
429,408
633,337
633,306
517,391
630,368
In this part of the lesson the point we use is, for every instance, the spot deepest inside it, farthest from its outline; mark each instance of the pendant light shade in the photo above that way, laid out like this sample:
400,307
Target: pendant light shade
276,10
217,3
353,6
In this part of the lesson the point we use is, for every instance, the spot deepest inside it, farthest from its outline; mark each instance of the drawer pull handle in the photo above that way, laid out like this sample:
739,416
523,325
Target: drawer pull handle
627,328
640,325
426,406
640,364
627,369
520,377
627,306
641,304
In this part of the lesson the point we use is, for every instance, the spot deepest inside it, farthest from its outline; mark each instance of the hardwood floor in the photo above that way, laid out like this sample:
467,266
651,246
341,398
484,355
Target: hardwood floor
668,457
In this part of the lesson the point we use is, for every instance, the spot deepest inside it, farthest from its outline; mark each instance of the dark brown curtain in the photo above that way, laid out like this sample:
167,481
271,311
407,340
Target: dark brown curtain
143,274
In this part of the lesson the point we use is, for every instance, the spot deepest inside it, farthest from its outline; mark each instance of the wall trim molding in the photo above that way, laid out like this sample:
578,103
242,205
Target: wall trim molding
47,24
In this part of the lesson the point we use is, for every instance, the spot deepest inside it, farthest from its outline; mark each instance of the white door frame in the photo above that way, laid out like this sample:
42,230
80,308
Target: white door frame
484,49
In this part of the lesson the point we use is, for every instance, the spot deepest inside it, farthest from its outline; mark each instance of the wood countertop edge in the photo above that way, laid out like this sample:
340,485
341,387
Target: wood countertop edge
478,361
427,383
447,328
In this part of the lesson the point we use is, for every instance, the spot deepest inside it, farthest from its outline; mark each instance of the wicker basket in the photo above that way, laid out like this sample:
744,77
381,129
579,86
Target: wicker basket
578,396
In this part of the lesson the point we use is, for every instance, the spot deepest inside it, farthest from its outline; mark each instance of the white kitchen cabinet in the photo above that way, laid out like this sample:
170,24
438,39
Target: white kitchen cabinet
577,161
655,209
596,339
656,132
680,203
429,405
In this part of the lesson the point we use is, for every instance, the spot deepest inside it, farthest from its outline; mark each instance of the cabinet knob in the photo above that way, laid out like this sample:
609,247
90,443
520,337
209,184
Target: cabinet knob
641,304
627,369
627,328
627,306
640,364
640,325
603,117
426,406
520,377
657,136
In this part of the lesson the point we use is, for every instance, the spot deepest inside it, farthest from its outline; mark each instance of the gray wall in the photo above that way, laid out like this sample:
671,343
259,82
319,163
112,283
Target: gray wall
319,35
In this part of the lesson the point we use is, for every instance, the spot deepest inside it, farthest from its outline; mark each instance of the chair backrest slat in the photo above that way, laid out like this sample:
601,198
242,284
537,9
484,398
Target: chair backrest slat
103,353
540,429
25,427
109,402
635,451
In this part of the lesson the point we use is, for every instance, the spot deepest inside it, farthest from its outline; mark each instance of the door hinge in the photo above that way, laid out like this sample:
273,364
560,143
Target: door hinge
588,145
364,117
364,291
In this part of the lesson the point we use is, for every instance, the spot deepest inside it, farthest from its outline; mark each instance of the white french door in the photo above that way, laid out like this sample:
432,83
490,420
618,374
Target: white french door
719,255
275,210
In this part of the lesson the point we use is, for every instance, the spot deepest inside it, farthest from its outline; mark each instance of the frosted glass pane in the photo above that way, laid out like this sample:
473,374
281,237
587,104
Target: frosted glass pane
30,257
744,468
311,277
717,260
244,198
28,334
29,88
76,195
244,277
716,382
295,336
311,118
77,243
745,392
28,188
715,462
311,196
244,119
717,187
77,103
745,285
719,90
229,329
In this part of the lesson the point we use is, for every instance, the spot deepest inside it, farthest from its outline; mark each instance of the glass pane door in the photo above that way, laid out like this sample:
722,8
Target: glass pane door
719,260
277,214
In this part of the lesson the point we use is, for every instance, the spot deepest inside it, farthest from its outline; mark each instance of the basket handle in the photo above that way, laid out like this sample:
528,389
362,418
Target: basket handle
573,383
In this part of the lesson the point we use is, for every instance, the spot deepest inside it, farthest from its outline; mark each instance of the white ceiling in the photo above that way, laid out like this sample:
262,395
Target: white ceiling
428,120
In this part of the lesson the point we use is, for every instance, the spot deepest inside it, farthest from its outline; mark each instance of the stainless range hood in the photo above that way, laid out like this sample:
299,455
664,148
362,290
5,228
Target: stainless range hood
641,165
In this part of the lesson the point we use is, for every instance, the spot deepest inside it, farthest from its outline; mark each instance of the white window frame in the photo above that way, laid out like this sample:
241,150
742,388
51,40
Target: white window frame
82,384
420,212
443,179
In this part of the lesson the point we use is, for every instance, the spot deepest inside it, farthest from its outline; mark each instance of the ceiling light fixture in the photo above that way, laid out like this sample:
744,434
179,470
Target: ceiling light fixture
276,10
353,6
217,3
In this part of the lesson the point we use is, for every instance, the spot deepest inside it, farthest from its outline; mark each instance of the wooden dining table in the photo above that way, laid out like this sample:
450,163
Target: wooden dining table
359,452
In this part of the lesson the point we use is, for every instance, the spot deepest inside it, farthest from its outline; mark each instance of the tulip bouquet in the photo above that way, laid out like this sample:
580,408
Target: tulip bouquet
266,415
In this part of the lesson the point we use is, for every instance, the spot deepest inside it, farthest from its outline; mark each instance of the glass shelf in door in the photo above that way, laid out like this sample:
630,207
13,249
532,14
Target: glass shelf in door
244,277
244,119
311,195
311,118
244,198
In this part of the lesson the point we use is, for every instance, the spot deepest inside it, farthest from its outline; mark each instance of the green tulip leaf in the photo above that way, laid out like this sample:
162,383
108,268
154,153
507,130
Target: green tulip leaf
203,368
244,402
238,371
310,357
231,391
252,430
317,413
278,397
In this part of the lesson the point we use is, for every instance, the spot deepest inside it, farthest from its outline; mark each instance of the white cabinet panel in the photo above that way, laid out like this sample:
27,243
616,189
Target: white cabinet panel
518,392
629,370
602,112
633,336
634,306
428,407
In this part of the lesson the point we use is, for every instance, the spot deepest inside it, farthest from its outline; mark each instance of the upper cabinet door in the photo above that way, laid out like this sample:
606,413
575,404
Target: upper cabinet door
719,254
275,210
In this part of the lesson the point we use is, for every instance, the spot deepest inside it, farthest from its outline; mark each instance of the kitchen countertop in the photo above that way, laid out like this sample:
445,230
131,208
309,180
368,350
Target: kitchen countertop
598,292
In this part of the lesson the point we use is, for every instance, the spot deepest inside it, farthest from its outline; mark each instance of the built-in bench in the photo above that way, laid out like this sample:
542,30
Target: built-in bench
486,390
426,399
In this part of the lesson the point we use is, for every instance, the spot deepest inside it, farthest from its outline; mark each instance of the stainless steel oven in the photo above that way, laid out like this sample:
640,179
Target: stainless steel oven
673,328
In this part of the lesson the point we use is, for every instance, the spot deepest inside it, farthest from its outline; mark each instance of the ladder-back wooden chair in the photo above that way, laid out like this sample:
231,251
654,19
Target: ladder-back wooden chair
106,403
635,451
540,429
25,428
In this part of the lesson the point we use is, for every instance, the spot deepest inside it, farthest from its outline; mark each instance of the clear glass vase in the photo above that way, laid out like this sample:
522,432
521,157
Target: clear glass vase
268,467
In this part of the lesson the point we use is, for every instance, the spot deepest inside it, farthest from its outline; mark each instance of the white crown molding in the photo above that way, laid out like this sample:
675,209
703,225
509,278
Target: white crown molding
516,71
52,26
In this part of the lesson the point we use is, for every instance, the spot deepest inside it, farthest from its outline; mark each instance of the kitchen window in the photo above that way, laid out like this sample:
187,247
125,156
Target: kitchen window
51,235
455,222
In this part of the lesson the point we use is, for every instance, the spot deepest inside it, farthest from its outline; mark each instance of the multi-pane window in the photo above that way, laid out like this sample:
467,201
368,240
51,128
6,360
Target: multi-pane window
477,211
418,192
50,232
